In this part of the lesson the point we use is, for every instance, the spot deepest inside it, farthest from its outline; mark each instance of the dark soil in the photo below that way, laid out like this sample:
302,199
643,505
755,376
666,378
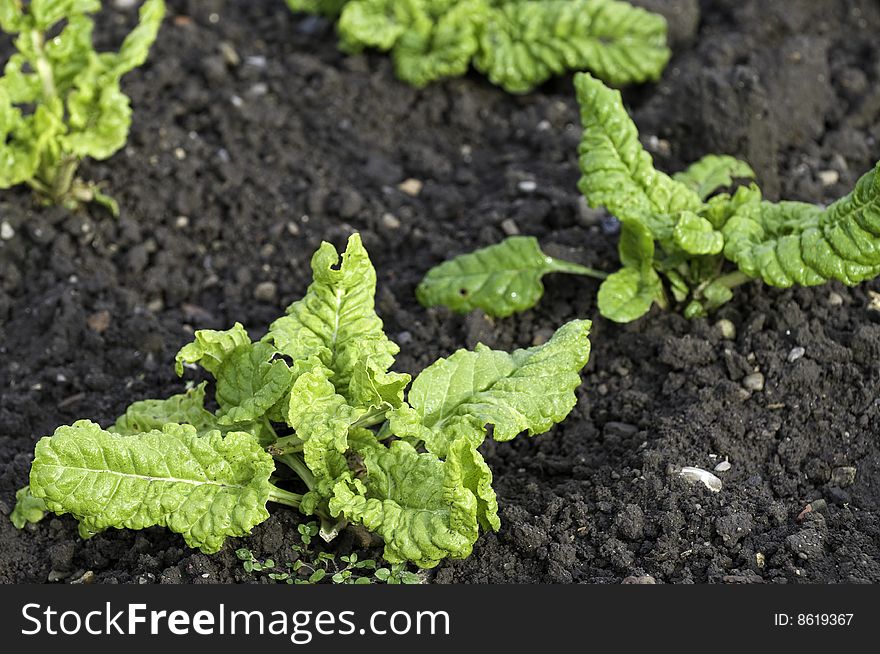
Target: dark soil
254,139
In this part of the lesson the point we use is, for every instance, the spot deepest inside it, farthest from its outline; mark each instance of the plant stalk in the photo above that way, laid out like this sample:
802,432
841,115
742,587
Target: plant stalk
558,265
281,496
43,67
295,463
734,279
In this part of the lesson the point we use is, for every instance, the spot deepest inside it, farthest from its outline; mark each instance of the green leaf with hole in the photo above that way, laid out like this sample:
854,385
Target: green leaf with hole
500,279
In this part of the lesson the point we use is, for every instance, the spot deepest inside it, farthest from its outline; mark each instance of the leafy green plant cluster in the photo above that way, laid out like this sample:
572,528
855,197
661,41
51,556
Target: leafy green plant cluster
312,406
313,567
518,44
60,100
678,235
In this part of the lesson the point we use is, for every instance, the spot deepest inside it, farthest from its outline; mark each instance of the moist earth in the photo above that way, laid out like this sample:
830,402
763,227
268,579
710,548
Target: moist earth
254,139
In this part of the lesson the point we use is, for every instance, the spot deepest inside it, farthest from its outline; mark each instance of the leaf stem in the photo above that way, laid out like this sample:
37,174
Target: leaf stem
285,445
296,463
733,279
43,67
281,496
559,265
384,431
374,417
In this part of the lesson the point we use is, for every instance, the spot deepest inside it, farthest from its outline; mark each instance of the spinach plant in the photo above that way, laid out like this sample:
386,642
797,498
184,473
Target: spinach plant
678,236
60,100
311,417
518,44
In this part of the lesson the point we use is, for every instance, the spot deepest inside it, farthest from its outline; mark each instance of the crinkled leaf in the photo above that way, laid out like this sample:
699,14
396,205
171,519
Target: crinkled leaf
525,43
527,390
501,279
46,13
695,235
790,243
136,46
322,419
377,23
424,508
439,47
204,488
18,159
629,293
98,121
185,408
28,509
373,387
250,382
211,347
712,172
336,320
617,172
11,16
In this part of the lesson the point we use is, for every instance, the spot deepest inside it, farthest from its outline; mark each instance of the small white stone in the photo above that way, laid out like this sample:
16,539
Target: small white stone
390,221
6,231
698,474
754,382
796,353
835,299
411,186
829,177
527,186
509,227
723,466
727,329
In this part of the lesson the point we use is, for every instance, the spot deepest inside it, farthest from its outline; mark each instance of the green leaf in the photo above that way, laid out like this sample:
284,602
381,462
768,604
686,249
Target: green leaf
527,390
789,243
48,12
336,320
11,16
636,246
629,293
526,43
374,388
205,488
136,46
98,121
28,509
210,348
424,508
716,294
617,172
695,235
18,158
439,47
501,279
186,408
250,381
322,419
712,172
377,23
